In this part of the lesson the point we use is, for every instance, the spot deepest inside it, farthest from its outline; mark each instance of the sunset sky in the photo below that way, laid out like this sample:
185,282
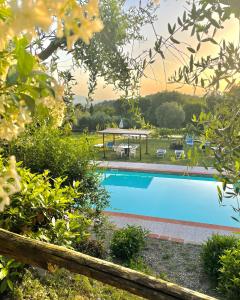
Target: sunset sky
155,81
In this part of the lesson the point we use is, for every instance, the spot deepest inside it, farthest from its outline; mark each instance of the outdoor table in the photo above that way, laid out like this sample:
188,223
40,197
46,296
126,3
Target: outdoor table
126,148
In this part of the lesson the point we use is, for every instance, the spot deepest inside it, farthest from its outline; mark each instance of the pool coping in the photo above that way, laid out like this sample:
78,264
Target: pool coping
173,221
159,168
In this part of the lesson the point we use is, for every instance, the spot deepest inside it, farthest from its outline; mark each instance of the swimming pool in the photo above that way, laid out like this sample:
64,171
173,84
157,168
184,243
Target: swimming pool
176,197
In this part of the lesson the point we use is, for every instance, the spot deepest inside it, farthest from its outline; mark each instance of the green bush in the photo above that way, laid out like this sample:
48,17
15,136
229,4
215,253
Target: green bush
10,271
229,278
128,242
170,131
92,247
47,148
45,209
212,250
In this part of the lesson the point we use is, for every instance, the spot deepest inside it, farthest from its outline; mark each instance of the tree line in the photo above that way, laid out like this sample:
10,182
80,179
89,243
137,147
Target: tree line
163,110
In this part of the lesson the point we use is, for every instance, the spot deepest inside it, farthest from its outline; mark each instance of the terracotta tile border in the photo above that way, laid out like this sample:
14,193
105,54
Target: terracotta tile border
172,221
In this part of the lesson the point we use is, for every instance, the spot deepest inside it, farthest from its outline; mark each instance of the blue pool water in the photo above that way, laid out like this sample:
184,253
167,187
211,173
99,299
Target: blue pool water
178,197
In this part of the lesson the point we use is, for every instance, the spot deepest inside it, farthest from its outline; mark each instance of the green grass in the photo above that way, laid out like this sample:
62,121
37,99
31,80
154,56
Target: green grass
153,144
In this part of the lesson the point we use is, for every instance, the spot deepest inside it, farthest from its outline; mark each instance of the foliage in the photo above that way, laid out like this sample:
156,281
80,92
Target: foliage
65,285
222,129
229,278
9,181
170,131
127,243
191,109
58,210
212,251
10,271
46,210
46,148
170,115
23,17
92,247
24,82
104,57
204,20
113,111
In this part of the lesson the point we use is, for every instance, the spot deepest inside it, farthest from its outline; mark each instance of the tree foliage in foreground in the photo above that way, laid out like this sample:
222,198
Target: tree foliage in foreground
204,19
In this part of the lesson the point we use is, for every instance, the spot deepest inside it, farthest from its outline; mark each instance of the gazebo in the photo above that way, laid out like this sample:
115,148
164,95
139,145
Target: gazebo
126,132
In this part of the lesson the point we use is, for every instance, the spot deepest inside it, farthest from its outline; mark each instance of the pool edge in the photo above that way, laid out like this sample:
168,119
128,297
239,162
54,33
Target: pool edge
166,171
173,221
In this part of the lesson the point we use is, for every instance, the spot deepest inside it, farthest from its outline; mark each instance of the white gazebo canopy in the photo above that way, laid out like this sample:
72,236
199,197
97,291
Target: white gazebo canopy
126,132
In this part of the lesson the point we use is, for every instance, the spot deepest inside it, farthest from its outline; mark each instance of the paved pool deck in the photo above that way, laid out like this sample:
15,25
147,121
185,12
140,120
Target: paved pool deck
158,168
166,229
177,231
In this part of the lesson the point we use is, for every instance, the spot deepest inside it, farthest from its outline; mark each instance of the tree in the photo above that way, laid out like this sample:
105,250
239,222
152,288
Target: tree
24,83
170,115
191,109
100,120
104,55
212,101
91,109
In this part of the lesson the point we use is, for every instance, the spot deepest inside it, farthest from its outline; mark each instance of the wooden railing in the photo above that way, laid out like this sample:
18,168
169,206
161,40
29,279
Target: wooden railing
43,255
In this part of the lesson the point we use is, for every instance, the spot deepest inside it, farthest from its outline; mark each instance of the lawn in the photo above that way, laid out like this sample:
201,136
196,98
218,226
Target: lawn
153,144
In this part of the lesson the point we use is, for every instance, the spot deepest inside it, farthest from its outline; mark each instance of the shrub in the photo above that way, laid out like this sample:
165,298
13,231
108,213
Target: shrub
212,250
229,278
170,131
92,247
128,242
46,148
9,273
45,210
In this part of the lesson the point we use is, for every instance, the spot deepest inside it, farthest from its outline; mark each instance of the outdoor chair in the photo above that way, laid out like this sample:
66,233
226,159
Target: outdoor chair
115,147
134,146
133,152
179,154
189,140
109,145
120,151
161,153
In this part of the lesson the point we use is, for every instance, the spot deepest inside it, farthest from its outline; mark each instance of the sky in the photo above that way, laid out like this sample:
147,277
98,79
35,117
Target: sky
156,78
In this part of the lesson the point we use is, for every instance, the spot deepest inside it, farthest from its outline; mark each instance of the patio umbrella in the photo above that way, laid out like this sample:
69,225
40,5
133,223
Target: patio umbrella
121,124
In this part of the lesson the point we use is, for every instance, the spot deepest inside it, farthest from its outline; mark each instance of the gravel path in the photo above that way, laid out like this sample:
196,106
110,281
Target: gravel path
180,263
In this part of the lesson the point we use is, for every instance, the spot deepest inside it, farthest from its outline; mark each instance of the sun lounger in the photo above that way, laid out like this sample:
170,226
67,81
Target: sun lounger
179,154
161,152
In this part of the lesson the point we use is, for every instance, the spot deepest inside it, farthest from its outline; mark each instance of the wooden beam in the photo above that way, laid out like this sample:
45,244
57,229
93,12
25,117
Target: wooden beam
43,254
